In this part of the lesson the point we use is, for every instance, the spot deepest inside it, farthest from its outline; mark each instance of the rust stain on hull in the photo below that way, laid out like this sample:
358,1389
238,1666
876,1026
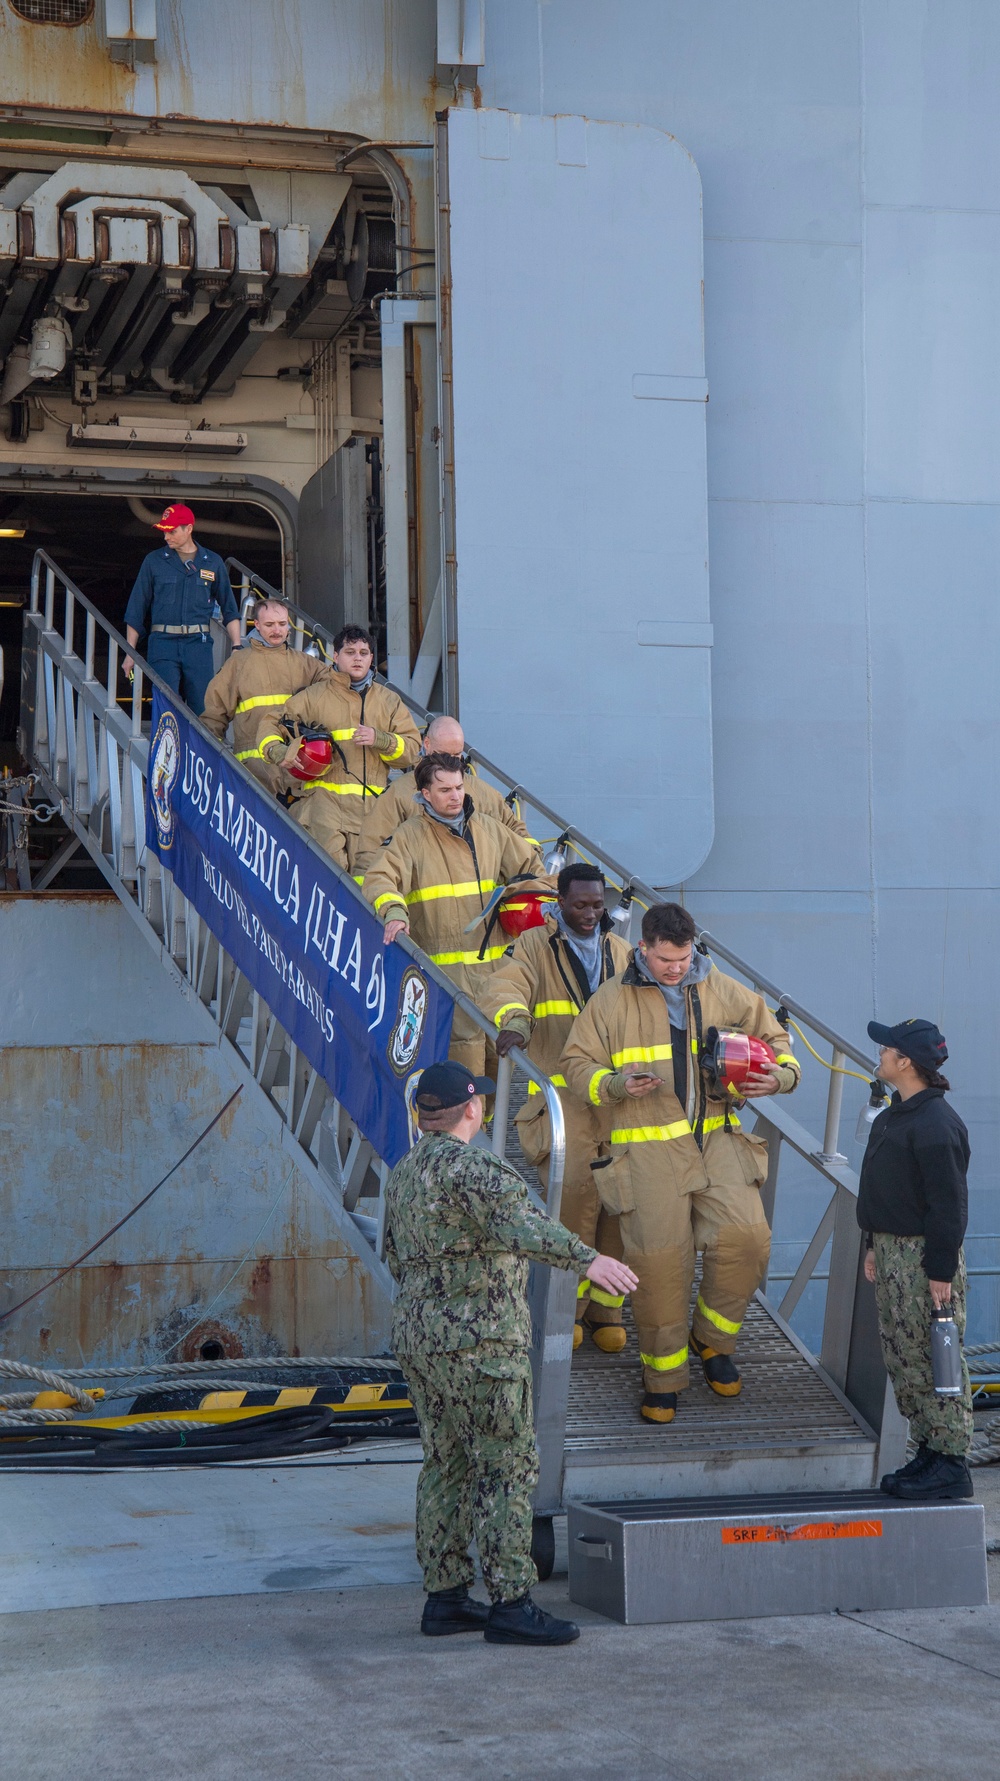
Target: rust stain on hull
86,1131
120,1316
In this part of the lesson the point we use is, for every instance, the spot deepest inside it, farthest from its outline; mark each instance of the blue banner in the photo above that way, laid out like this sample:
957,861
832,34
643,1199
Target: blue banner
364,1015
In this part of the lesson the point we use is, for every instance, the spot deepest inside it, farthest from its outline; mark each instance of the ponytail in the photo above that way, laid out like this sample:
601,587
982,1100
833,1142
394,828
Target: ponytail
932,1078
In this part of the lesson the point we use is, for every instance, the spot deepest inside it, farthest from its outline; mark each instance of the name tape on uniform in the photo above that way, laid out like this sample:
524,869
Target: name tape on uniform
811,1530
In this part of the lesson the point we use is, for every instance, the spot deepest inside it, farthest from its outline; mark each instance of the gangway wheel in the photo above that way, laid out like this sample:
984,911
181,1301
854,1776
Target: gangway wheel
543,1546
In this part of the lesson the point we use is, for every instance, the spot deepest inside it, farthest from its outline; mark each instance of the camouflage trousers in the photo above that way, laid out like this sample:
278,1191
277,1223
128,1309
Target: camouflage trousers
480,1467
904,1320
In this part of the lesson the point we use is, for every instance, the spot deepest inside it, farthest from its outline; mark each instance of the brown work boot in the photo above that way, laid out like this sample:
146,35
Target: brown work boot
610,1338
659,1406
577,1336
720,1370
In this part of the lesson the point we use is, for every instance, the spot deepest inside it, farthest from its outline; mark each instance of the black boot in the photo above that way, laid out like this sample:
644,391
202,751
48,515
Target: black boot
943,1479
659,1406
720,1370
524,1623
453,1611
910,1470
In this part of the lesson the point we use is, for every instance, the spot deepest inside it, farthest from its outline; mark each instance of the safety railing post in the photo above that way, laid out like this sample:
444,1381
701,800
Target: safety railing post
552,1295
830,1152
768,1193
838,1319
501,1108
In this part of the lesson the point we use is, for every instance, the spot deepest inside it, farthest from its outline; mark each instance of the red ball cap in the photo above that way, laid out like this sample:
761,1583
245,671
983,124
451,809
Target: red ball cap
178,515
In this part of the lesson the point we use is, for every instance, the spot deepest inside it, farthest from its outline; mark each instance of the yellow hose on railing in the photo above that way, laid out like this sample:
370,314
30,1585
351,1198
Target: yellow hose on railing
839,1068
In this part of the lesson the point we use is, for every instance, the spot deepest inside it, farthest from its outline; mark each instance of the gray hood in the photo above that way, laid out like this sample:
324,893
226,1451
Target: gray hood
673,994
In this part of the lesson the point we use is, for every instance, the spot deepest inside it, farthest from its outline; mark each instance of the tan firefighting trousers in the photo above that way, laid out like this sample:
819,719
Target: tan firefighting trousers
580,1210
709,1204
321,814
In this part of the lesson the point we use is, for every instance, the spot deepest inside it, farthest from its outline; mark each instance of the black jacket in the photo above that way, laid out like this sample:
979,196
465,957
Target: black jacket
913,1178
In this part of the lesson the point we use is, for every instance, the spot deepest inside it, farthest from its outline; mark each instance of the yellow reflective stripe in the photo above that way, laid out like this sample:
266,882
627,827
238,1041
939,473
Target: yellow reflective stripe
397,751
719,1120
583,1289
261,699
544,1009
641,1054
785,1057
594,1085
467,958
387,897
694,1047
346,791
341,735
665,1363
430,893
557,1081
249,754
512,1007
606,1298
275,738
651,1134
725,1324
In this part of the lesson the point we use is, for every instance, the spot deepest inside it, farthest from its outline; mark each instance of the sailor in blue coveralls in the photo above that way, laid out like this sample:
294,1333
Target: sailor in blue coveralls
171,606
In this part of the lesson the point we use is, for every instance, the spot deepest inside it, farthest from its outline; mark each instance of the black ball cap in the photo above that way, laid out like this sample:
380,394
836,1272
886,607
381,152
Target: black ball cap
919,1040
448,1085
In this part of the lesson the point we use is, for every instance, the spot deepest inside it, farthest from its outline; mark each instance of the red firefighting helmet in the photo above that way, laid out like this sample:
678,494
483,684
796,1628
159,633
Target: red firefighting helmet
731,1057
314,757
523,912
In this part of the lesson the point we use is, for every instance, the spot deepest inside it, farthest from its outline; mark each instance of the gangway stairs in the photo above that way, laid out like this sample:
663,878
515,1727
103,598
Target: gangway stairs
803,1422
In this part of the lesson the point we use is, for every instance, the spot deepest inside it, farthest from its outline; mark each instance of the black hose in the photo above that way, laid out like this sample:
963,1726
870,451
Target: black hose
278,1433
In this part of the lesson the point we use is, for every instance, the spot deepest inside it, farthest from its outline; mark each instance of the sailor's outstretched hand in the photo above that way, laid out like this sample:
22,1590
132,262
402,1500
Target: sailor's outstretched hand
612,1276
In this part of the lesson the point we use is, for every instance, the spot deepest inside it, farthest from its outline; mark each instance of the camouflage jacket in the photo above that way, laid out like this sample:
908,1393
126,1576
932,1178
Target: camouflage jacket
460,1232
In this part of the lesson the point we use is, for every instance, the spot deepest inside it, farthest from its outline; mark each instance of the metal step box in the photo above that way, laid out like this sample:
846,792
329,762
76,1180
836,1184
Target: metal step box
740,1557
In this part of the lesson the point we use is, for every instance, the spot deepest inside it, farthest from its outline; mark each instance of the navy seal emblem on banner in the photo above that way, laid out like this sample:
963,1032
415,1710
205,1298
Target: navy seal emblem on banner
404,1040
164,765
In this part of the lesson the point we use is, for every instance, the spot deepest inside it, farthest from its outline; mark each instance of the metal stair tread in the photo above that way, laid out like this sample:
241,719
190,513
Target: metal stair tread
784,1405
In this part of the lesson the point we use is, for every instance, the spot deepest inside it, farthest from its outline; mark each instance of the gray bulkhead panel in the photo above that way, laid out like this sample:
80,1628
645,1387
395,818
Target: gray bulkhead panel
579,399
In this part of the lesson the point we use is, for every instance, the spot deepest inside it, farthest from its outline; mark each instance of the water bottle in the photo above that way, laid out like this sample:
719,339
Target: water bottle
875,1104
946,1354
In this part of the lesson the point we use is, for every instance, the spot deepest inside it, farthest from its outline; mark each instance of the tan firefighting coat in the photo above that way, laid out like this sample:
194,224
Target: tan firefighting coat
396,804
681,1178
436,881
256,681
538,990
357,773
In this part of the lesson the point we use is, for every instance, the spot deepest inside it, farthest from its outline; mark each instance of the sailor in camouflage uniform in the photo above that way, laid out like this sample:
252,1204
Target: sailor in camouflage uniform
913,1208
460,1233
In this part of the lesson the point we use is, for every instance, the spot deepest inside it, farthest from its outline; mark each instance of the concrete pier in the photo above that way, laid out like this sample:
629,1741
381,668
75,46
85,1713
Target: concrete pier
298,1675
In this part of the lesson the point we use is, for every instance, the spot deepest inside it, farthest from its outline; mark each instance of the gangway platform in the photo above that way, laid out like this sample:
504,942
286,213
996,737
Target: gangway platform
788,1429
750,1555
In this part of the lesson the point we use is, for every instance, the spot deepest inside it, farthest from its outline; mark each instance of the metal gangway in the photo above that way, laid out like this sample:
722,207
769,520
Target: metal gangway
803,1421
